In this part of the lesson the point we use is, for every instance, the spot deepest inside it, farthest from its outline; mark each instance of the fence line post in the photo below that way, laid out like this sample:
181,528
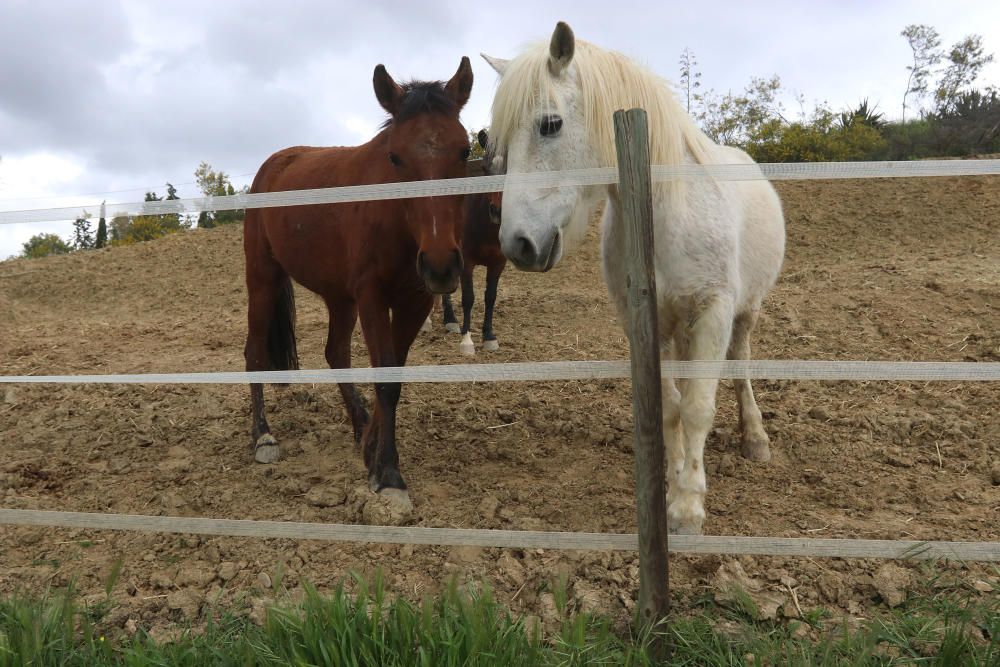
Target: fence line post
632,143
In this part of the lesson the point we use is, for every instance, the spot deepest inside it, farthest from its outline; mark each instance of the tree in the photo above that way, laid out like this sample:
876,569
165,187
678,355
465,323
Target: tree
146,226
477,152
690,77
924,42
41,245
83,239
968,125
966,60
102,231
735,119
216,184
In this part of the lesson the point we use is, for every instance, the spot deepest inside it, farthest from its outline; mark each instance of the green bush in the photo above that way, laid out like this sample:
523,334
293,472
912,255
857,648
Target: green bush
820,140
41,245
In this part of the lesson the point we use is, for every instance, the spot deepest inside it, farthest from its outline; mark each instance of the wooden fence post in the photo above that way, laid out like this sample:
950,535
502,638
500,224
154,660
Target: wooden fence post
632,143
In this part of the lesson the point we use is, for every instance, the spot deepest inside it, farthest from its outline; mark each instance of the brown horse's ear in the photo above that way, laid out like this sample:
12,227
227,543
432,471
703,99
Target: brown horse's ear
387,91
482,138
561,48
460,86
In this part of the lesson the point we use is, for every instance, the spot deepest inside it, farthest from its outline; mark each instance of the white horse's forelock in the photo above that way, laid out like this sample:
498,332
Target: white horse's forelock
608,81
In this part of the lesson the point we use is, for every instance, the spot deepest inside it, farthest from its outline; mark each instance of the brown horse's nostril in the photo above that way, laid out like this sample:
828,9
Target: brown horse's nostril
441,275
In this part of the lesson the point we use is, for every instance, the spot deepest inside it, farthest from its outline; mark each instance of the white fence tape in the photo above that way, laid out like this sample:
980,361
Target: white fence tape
471,185
918,371
518,539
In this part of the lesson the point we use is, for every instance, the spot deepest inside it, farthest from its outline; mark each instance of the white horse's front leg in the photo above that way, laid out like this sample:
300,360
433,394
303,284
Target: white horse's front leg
673,437
708,340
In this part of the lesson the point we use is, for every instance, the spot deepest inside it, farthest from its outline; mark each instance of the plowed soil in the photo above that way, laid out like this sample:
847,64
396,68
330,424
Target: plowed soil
894,269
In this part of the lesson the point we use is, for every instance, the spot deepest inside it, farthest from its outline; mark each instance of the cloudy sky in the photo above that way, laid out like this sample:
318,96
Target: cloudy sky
108,99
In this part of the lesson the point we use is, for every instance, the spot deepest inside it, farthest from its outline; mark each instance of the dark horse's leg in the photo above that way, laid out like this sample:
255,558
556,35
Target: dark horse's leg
493,272
468,301
343,316
270,341
450,323
388,345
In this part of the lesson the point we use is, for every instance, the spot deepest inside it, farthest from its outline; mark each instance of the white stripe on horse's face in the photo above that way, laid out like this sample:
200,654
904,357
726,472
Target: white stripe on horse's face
536,224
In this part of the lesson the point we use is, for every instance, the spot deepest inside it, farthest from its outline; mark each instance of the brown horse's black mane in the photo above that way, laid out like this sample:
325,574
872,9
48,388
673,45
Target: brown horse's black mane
423,97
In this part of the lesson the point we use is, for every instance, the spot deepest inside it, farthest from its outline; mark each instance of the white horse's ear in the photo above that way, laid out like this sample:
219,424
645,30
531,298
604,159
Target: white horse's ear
561,48
499,64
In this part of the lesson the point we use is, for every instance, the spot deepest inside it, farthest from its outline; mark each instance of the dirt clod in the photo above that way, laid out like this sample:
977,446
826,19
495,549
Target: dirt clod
892,582
325,496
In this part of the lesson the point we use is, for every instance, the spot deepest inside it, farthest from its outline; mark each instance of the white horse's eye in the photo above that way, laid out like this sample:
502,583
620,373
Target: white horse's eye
550,125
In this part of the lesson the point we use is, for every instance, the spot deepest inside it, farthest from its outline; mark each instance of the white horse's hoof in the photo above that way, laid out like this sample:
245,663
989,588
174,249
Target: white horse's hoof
467,347
685,529
266,449
685,515
491,345
755,448
427,325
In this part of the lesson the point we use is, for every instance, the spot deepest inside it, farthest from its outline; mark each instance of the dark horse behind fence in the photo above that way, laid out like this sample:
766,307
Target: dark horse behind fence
382,260
480,247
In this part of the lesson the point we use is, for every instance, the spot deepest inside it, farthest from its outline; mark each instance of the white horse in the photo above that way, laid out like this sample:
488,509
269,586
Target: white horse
719,246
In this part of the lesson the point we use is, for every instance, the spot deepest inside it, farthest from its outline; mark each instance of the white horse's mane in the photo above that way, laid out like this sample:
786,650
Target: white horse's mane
608,81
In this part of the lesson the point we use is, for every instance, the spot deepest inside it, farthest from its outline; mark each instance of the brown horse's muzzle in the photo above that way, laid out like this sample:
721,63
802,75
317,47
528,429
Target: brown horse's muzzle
440,273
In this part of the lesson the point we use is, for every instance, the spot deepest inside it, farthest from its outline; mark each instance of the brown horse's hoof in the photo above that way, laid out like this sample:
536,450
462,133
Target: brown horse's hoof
389,507
266,449
452,327
491,345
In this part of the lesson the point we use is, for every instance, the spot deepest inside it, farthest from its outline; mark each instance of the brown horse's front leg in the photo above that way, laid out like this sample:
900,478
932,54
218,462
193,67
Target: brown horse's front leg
381,456
343,316
493,272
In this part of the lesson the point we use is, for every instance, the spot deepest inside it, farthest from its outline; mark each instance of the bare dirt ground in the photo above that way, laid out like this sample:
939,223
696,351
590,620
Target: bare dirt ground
899,269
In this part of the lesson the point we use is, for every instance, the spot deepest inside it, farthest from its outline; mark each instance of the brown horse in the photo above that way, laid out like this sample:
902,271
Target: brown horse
480,247
382,260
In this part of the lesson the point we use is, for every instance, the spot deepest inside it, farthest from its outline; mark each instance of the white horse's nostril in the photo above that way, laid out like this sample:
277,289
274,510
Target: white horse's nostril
526,252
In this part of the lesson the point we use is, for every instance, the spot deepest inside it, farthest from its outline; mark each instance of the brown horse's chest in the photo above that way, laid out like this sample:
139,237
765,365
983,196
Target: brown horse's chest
342,252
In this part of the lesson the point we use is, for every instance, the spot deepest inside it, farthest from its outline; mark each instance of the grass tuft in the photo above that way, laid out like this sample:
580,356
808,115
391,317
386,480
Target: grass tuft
362,624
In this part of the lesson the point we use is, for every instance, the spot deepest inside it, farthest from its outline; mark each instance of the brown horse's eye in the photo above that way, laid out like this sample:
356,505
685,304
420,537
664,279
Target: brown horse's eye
466,152
393,158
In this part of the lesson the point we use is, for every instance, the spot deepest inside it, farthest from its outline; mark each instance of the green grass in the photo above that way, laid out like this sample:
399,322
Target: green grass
367,627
